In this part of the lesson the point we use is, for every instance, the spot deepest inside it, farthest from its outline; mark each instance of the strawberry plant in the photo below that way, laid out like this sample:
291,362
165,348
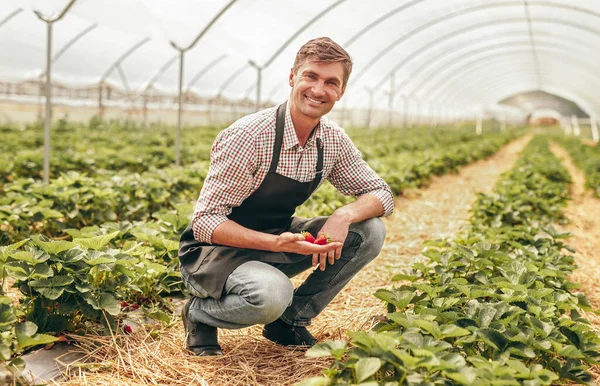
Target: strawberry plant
493,306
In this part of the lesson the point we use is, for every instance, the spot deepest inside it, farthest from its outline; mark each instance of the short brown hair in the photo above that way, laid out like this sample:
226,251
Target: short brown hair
324,50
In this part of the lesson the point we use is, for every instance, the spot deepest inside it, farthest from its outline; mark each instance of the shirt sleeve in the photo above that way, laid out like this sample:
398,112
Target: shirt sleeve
230,180
351,175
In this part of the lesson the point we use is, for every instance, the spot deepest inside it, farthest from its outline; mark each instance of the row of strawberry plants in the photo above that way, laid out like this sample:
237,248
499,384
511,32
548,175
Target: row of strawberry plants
74,200
102,146
587,158
94,280
67,285
491,307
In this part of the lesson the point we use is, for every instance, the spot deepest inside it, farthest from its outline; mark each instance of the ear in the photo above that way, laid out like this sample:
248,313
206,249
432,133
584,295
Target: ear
291,80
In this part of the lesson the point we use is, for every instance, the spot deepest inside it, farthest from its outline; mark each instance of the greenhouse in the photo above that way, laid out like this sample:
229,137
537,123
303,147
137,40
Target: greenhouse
337,192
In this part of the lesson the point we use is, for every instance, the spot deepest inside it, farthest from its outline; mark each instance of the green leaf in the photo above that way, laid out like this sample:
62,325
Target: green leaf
51,293
27,335
315,381
366,367
171,245
402,276
110,304
52,247
96,242
493,338
56,281
11,247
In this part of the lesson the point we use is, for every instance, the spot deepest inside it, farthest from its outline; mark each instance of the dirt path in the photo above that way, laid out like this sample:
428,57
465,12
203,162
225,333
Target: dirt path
433,212
583,213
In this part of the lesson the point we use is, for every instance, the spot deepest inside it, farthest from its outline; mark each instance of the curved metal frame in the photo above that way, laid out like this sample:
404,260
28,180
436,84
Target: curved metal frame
550,21
449,71
68,45
160,71
124,56
378,21
453,97
454,14
10,16
49,22
502,86
231,78
491,88
203,71
495,86
445,82
260,68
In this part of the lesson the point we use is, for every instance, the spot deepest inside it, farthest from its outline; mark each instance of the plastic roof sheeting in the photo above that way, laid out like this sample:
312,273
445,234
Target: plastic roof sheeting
447,52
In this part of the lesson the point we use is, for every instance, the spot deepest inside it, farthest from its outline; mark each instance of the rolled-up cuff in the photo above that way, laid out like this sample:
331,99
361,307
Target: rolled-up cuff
204,227
387,200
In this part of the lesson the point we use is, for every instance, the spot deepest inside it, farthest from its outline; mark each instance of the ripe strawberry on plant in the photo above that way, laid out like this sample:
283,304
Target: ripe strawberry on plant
128,329
322,239
308,237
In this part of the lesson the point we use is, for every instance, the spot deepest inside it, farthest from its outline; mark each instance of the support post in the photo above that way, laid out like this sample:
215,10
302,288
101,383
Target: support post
479,125
575,123
594,127
391,101
179,110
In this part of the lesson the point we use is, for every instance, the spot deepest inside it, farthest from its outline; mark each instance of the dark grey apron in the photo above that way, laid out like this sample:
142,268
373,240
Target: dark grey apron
205,267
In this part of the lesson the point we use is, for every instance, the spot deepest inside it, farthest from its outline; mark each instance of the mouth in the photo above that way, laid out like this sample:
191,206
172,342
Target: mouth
314,100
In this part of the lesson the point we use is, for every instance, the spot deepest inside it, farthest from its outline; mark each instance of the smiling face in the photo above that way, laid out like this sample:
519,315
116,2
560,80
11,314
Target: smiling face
316,86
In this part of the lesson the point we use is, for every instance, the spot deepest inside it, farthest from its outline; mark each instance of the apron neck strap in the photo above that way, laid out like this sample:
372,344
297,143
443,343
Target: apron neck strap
279,128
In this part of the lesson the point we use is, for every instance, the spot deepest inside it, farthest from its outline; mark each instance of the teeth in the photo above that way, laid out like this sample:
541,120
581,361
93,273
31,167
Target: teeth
313,100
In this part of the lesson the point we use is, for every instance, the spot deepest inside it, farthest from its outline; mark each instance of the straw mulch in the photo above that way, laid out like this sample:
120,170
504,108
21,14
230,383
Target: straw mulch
583,213
157,357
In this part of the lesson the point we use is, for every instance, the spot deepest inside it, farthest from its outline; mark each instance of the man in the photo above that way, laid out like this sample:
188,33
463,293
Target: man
243,242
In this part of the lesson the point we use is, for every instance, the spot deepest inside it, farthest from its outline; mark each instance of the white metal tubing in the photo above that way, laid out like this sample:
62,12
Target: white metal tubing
594,127
48,120
179,110
391,101
370,110
575,123
479,125
48,105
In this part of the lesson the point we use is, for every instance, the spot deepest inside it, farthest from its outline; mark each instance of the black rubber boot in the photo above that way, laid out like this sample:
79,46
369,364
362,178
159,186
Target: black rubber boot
287,335
201,339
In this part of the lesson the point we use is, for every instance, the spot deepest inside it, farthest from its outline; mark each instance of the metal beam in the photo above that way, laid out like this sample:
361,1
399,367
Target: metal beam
49,22
61,51
232,77
473,65
536,62
428,63
10,16
259,68
203,71
497,84
452,15
124,56
182,51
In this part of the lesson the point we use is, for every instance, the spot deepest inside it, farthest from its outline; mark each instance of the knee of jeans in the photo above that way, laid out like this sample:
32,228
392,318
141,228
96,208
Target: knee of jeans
373,233
274,296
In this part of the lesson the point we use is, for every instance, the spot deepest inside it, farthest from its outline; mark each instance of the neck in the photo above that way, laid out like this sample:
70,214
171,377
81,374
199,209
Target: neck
303,125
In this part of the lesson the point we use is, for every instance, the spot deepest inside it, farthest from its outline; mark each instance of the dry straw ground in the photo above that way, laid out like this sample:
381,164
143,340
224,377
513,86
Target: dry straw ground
157,357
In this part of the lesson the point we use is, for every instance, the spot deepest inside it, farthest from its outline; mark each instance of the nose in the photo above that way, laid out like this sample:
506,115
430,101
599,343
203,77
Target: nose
318,89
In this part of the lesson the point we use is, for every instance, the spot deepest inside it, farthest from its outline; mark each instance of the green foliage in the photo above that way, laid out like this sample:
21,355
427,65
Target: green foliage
493,306
587,158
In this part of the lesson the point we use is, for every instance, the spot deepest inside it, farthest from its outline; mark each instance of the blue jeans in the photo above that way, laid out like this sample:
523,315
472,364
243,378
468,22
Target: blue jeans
259,293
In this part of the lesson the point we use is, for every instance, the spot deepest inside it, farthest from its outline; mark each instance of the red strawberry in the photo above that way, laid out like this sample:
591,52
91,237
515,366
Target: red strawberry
308,237
124,304
127,329
322,239
135,306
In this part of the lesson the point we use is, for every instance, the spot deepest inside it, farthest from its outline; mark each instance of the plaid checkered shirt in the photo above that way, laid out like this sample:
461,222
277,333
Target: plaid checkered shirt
241,156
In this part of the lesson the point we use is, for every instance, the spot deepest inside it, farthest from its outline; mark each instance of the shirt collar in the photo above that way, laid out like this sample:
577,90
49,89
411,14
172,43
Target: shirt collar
290,140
